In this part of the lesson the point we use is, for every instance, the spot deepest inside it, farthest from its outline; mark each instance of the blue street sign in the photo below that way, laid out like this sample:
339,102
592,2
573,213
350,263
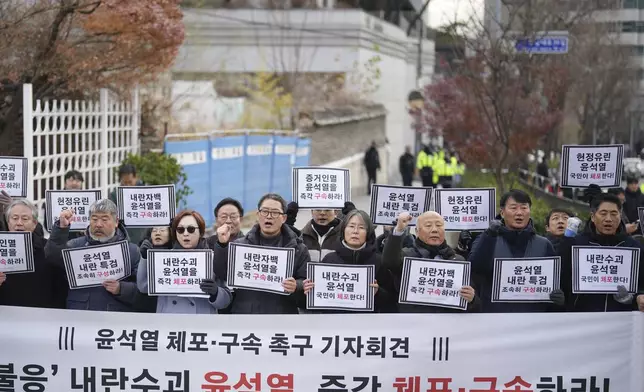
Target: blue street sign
543,45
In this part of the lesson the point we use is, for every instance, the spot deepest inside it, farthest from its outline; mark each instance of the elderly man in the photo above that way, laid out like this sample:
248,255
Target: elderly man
429,244
512,237
272,231
103,228
46,287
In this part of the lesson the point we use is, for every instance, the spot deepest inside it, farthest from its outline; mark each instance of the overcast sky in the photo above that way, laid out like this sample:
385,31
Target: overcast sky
443,12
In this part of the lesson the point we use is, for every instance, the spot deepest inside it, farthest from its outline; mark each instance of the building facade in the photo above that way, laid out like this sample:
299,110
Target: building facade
316,41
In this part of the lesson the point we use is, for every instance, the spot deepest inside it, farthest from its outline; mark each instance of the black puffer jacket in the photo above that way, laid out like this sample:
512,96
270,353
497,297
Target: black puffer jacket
256,302
46,287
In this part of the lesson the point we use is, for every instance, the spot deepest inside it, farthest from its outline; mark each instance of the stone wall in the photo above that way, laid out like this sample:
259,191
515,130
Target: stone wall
338,140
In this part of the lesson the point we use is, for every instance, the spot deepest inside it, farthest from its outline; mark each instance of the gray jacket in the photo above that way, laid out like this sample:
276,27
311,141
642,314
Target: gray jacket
94,298
185,305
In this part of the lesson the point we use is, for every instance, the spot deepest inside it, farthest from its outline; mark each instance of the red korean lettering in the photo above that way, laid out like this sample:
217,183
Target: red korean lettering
439,384
489,380
249,384
409,384
216,382
280,383
518,383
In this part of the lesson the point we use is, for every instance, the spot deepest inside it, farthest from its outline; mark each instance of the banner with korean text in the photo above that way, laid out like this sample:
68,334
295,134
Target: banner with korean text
61,350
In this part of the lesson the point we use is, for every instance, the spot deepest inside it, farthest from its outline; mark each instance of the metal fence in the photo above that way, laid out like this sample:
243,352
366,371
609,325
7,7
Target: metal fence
243,164
88,136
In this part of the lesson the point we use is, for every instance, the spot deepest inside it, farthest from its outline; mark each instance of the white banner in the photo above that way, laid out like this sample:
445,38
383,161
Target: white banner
600,270
179,271
466,209
260,268
16,252
146,206
93,265
322,188
390,201
341,286
585,165
78,201
526,280
66,350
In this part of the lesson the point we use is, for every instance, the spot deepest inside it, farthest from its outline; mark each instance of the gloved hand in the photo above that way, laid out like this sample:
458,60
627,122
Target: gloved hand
465,240
623,296
144,247
210,287
348,207
558,297
5,199
291,213
494,228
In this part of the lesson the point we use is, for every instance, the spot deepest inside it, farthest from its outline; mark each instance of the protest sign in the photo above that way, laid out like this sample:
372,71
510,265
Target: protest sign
529,279
179,271
13,176
78,201
93,265
584,165
260,268
434,282
16,252
600,270
341,287
466,209
146,206
321,188
390,201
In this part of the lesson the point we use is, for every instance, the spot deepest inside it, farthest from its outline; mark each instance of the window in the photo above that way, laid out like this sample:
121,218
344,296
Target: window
629,27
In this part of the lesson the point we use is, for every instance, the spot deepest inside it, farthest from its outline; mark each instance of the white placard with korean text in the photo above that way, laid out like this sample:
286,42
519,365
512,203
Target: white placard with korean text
390,201
530,279
70,350
13,176
146,206
434,282
16,252
341,287
77,200
466,209
600,269
585,165
179,271
93,265
259,268
321,188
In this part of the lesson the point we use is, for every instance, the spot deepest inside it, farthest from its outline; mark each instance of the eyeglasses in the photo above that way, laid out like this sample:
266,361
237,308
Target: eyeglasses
190,229
272,214
226,217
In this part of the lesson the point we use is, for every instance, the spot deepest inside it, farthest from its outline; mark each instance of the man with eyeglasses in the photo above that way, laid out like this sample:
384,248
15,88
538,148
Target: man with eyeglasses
228,212
269,231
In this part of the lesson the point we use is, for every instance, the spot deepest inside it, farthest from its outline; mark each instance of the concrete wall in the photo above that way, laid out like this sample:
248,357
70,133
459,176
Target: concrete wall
334,142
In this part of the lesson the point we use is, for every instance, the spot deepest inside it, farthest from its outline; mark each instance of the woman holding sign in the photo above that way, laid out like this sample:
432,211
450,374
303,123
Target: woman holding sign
356,247
186,234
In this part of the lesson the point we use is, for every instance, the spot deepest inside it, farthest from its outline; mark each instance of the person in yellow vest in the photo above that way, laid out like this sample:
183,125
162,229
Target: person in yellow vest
439,167
424,165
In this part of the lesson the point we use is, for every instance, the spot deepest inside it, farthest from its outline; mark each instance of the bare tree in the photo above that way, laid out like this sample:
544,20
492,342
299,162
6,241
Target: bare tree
504,101
603,84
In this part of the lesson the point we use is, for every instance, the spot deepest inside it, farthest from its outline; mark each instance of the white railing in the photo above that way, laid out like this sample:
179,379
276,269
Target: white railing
88,136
